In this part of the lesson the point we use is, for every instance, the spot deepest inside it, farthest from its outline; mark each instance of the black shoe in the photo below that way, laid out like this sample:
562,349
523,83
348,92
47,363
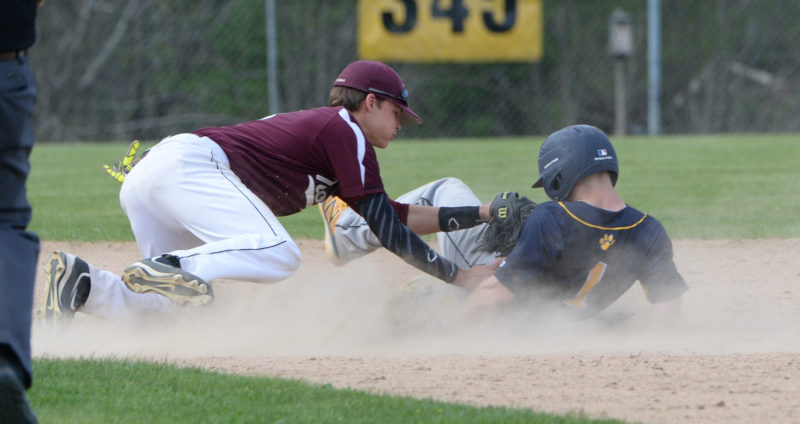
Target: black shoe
163,275
14,406
67,287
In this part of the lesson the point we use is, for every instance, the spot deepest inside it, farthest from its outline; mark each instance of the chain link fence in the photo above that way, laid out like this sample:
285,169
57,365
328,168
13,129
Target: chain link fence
118,70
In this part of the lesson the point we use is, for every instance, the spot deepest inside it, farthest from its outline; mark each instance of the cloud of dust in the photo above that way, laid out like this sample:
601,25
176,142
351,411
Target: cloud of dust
360,310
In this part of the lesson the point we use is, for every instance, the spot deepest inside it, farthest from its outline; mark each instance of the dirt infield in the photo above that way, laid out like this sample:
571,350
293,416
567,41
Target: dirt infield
733,358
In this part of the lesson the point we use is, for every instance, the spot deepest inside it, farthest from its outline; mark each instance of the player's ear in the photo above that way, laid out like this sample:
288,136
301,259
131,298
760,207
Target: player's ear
370,101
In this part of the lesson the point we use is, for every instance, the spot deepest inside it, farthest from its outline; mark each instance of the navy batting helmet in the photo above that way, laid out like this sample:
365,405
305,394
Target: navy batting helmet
572,153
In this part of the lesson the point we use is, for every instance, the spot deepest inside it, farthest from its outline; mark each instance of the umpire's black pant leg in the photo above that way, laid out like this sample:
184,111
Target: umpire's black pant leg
19,248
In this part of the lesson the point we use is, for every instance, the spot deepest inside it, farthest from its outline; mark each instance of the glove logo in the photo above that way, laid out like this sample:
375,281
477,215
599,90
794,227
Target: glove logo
508,211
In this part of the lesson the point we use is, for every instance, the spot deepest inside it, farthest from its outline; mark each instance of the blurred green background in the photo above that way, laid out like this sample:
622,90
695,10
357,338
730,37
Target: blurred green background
742,186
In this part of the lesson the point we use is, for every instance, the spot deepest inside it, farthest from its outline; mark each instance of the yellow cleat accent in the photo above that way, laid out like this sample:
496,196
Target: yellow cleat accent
128,160
53,271
121,168
114,173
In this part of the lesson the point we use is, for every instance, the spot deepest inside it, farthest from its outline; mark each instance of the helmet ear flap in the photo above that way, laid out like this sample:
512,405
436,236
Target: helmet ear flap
554,186
555,183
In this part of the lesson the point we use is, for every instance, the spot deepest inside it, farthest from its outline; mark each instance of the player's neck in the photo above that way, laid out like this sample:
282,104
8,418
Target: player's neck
597,190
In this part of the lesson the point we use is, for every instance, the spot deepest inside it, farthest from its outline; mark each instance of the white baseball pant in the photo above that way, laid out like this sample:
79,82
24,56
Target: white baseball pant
184,200
354,239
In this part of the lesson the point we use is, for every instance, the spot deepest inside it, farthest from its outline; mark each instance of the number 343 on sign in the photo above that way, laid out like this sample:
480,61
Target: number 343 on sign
450,30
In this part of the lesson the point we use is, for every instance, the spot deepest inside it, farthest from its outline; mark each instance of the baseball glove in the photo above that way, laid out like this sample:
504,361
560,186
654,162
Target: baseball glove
507,212
120,169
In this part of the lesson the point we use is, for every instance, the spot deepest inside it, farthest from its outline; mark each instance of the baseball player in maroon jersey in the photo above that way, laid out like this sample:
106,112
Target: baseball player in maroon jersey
203,205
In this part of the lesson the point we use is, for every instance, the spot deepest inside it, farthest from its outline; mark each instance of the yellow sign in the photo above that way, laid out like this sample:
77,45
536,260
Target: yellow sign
450,30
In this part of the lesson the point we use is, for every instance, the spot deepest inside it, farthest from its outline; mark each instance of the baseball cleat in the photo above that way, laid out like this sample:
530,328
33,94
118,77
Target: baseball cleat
67,288
14,406
164,276
122,167
331,209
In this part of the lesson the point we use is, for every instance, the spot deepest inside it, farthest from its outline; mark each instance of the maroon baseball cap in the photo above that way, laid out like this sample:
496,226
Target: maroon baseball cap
381,80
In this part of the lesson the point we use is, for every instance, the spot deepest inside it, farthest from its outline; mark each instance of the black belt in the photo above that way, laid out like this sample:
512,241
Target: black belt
10,55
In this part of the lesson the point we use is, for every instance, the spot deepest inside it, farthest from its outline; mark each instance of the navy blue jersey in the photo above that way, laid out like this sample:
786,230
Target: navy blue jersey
17,24
587,257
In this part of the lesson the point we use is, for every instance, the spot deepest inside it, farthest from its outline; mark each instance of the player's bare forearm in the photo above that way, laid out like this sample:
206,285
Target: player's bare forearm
423,219
484,211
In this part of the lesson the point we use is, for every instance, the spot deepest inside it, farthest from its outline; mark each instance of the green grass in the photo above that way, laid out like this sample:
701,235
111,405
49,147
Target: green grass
715,186
72,198
112,391
741,186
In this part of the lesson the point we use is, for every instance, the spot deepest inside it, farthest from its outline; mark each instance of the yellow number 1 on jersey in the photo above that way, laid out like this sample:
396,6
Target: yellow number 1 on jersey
595,275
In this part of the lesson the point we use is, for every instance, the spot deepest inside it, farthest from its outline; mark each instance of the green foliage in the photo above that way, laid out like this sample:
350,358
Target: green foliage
698,186
155,68
113,391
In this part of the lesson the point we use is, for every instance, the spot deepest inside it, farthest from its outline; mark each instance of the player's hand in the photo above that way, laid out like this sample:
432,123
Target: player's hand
470,278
